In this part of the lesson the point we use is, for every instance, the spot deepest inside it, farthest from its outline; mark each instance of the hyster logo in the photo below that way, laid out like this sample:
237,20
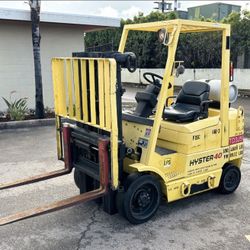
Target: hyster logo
205,159
201,160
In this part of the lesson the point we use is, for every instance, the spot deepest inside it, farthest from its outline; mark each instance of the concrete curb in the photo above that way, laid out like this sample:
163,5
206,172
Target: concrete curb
27,124
244,92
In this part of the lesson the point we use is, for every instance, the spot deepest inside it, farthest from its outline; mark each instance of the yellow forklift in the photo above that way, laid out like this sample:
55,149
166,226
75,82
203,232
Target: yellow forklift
170,147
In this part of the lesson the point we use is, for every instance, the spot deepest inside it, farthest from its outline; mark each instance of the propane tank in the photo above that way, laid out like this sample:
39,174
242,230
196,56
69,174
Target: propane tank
215,88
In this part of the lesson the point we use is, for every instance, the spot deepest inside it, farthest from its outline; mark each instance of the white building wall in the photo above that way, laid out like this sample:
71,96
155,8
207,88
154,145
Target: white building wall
241,76
16,57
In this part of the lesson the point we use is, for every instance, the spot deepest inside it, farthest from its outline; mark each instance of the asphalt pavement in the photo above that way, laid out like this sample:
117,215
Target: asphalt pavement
206,221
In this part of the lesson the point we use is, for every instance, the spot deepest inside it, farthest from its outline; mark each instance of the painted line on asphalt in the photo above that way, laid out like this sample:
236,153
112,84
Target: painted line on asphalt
248,237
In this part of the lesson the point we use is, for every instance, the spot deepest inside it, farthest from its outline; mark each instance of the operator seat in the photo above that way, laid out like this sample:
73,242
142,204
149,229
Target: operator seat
191,103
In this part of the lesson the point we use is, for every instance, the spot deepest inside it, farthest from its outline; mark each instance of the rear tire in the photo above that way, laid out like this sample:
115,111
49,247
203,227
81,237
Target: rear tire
230,179
141,200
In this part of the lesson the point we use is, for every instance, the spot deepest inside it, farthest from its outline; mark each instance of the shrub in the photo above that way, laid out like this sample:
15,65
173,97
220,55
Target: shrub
17,108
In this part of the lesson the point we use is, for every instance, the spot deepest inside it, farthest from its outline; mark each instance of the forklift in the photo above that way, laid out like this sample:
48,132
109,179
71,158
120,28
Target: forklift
170,147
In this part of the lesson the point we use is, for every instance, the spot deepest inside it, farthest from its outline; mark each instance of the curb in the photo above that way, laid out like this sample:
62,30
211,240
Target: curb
244,92
27,124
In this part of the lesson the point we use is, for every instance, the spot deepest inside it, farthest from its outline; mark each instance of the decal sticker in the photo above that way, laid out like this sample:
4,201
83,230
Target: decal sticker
147,132
201,160
143,143
204,159
241,148
167,163
226,153
235,139
204,164
236,150
172,175
196,137
218,155
215,131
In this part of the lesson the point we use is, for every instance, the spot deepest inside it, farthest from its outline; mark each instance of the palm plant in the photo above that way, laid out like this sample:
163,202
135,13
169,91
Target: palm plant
17,108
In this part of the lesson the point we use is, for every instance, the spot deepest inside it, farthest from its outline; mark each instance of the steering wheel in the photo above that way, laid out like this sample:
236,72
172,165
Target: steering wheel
154,77
154,80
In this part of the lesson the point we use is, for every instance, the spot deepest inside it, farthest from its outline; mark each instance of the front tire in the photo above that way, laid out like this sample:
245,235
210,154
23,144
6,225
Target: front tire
83,181
230,179
142,199
86,183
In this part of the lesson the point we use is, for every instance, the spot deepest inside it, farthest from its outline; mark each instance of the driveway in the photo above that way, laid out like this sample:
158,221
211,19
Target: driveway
206,221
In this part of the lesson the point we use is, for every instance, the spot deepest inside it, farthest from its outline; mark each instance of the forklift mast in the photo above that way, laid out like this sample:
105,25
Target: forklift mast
86,100
88,95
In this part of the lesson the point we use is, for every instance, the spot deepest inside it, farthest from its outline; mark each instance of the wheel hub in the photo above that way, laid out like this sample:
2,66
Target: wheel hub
231,179
143,199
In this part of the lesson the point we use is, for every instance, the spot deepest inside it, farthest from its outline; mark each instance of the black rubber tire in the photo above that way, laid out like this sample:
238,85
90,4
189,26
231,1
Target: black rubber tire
230,179
83,181
141,200
78,178
120,194
86,183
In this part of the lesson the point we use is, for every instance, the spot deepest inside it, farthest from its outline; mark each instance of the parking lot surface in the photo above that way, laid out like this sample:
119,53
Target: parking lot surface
206,221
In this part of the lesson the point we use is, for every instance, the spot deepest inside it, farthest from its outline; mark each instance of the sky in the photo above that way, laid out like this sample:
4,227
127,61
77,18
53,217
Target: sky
118,9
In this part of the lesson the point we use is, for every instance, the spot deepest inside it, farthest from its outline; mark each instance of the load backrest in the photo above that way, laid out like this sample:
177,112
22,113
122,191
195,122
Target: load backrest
84,90
85,93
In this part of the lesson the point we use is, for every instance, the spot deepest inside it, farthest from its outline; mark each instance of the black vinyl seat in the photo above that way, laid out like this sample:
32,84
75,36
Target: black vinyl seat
191,103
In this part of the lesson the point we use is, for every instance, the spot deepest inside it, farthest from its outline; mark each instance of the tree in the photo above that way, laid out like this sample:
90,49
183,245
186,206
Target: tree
197,50
36,38
200,50
240,39
150,53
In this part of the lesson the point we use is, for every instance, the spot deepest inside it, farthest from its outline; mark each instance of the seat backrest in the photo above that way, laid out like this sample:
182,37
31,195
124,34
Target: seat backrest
193,92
